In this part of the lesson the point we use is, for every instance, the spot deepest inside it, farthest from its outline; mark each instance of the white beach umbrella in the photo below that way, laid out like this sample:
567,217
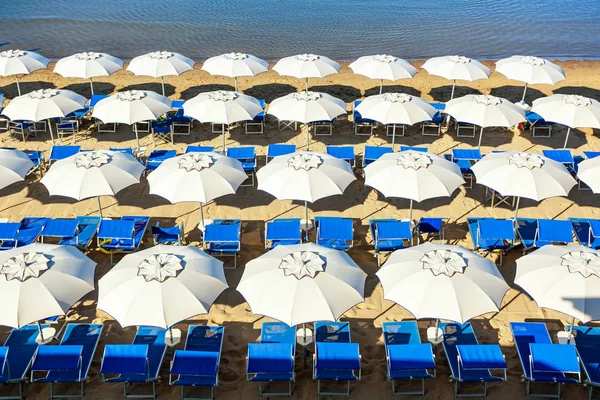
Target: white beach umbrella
571,110
222,107
485,111
92,174
304,66
456,68
413,175
21,62
44,104
306,107
588,171
396,108
196,177
130,107
159,64
88,65
302,283
563,278
531,70
306,176
40,281
161,286
442,282
520,174
235,65
14,166
383,66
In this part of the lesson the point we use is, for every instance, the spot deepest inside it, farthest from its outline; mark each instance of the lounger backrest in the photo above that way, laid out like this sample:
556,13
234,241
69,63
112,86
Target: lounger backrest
199,149
332,332
125,359
277,332
4,370
411,356
58,358
526,333
190,362
337,356
204,338
335,228
405,332
270,358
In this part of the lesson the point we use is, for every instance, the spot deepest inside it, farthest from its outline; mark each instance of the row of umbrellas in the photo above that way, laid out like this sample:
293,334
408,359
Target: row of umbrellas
158,64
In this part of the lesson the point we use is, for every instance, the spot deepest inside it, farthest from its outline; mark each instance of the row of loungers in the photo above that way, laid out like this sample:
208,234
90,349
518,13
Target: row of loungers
271,361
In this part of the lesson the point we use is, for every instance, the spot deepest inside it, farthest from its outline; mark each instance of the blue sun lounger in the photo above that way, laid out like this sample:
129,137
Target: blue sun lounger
492,235
223,238
179,119
389,235
373,153
563,156
258,122
199,149
535,233
432,228
278,149
465,159
30,229
336,358
70,361
587,231
273,359
172,235
587,344
414,148
138,362
406,357
360,122
334,232
8,234
345,153
436,121
470,361
157,157
282,231
247,156
124,150
541,360
61,152
121,235
87,227
538,123
60,228
198,363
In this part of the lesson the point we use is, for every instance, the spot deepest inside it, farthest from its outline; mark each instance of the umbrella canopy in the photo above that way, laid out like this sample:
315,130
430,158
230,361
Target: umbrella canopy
563,278
92,174
44,104
234,65
88,65
302,283
304,66
196,177
413,175
39,281
159,64
21,62
442,282
456,68
14,166
306,107
161,286
383,66
571,110
531,70
520,174
396,108
588,171
485,111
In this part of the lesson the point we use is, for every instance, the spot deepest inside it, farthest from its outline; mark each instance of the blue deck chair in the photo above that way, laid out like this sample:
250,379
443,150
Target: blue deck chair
30,229
414,148
157,157
587,231
8,234
538,123
257,125
162,130
61,228
470,361
492,235
223,238
389,235
87,227
247,156
138,362
563,156
345,153
334,232
122,235
360,122
432,228
591,154
372,153
125,150
171,235
37,158
179,119
199,149
274,150
541,360
17,355
436,121
406,357
587,344
336,358
535,233
282,231
70,361
198,363
465,158
273,359
62,152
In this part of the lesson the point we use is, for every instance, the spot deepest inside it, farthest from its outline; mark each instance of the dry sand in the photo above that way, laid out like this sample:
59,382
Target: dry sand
359,203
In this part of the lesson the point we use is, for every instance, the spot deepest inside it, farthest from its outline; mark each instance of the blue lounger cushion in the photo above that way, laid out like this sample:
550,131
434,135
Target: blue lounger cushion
336,361
553,358
410,360
195,368
587,344
58,358
199,149
271,361
334,232
274,150
283,232
389,234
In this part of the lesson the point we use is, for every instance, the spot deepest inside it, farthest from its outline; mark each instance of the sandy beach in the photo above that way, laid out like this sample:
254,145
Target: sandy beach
360,203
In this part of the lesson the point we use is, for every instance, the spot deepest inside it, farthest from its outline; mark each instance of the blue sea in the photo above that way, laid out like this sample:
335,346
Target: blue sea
342,29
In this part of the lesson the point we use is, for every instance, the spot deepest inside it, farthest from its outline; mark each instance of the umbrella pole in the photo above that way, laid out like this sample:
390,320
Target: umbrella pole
41,331
410,212
235,83
18,87
307,136
380,86
393,136
50,128
99,206
517,207
92,86
307,84
162,82
137,139
571,330
524,91
306,212
223,133
451,97
480,137
567,138
201,213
